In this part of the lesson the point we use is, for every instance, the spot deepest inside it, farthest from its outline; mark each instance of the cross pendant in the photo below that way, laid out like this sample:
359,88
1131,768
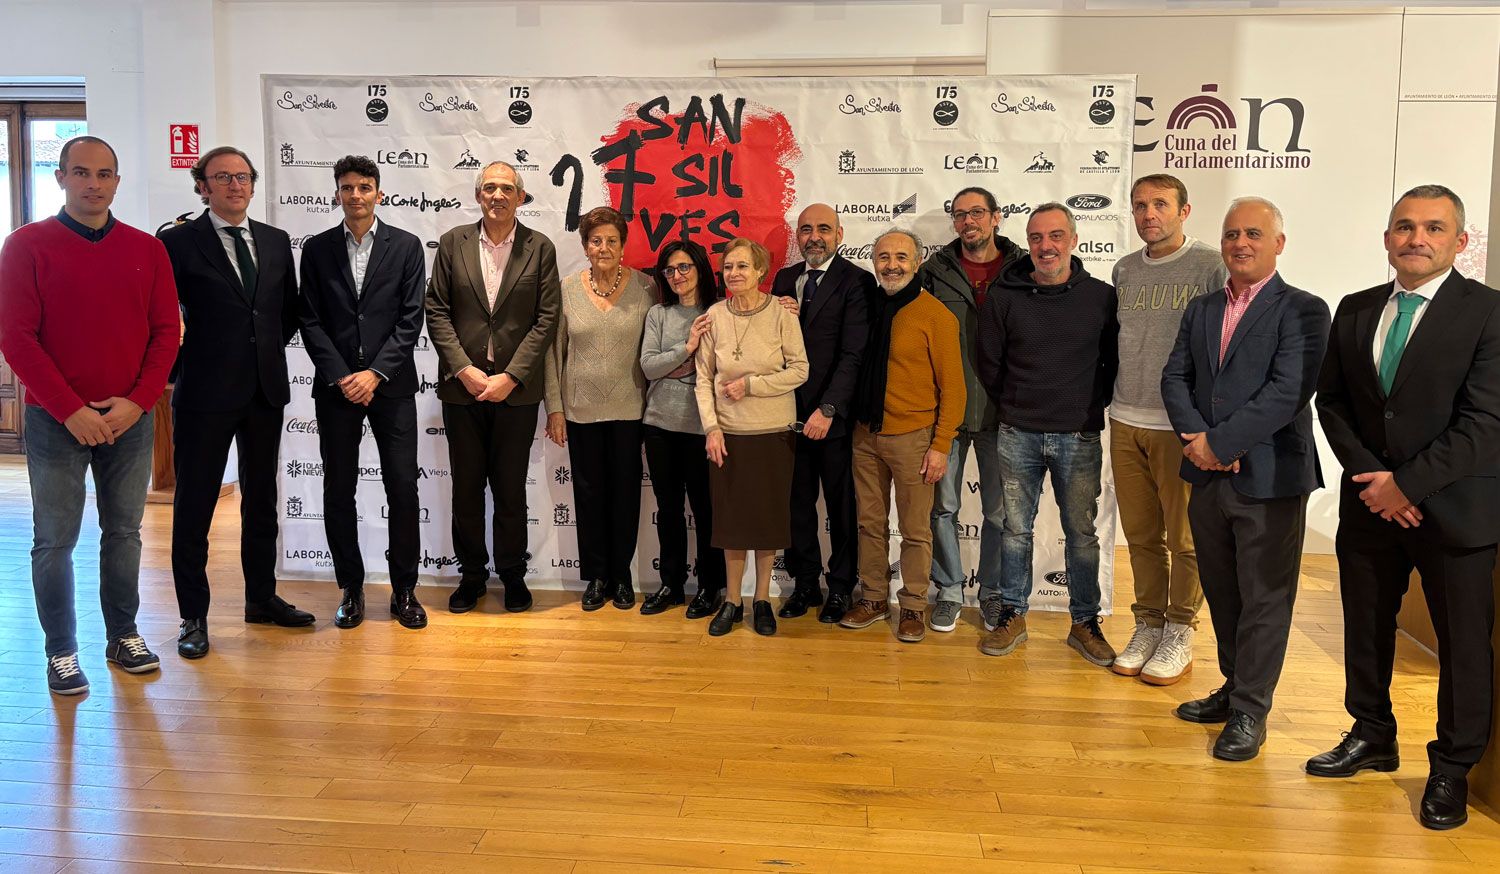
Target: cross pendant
736,355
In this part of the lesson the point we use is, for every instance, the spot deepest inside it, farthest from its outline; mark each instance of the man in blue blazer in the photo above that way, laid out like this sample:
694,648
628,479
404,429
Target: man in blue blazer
362,288
1410,400
1237,388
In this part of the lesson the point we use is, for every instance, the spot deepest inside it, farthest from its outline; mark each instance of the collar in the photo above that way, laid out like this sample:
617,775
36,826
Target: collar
1187,244
1252,291
369,235
1427,290
484,238
83,230
221,224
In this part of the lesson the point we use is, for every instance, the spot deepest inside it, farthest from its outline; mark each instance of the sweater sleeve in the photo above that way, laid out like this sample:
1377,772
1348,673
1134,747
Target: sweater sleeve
553,371
948,373
165,328
20,332
794,364
707,373
658,360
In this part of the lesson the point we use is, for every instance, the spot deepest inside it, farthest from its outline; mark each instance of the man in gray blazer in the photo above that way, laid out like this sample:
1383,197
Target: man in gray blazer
1238,387
492,308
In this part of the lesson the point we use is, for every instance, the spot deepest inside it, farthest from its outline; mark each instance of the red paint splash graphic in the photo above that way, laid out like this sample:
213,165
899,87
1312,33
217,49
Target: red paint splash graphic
718,169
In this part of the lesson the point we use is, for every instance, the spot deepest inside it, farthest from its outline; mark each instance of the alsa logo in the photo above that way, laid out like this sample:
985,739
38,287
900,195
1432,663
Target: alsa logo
1093,247
1088,202
1225,150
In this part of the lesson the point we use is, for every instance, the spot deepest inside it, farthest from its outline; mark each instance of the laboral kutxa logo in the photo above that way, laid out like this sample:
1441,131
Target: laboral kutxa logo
1205,133
879,212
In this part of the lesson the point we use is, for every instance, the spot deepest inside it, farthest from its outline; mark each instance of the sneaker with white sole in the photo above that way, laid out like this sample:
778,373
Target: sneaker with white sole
1138,651
990,610
1173,660
132,655
944,615
64,676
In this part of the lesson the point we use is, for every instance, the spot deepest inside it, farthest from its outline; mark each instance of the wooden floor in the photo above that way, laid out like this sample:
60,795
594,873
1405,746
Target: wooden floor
611,743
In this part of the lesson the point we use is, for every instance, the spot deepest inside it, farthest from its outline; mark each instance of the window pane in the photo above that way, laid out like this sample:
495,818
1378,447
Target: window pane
4,178
47,138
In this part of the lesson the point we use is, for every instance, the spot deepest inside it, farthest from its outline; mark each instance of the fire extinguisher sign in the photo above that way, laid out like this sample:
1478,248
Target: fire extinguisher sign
184,145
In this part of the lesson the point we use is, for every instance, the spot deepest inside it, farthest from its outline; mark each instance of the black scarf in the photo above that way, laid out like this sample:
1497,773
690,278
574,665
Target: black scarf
869,390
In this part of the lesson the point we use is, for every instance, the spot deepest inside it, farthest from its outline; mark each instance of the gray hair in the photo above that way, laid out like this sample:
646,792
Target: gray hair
1278,224
1433,192
905,232
479,180
1054,206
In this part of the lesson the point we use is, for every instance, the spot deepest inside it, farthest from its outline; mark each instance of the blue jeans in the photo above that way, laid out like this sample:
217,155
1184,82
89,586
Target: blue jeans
1075,461
56,463
948,570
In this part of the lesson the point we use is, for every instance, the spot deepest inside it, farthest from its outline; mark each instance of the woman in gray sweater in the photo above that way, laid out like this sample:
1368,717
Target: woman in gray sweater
686,286
596,394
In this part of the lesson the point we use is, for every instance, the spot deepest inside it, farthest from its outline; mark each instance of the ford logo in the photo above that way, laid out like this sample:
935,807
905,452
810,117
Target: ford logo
1089,201
1057,578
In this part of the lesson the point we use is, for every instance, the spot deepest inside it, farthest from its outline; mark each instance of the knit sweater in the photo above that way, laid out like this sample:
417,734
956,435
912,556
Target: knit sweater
1153,294
924,383
594,368
82,321
672,398
765,345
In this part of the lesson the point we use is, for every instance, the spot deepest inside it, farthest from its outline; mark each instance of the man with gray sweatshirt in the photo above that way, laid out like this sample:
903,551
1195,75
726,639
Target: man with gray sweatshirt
1154,285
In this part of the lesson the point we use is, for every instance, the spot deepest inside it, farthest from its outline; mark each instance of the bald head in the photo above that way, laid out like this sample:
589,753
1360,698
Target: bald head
818,234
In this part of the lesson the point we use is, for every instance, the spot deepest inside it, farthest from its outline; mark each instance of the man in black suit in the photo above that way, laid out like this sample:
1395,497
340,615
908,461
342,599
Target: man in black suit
832,304
238,290
492,308
1410,400
362,286
1238,386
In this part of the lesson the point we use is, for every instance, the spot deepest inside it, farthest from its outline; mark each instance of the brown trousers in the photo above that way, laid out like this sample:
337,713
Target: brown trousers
881,461
1153,501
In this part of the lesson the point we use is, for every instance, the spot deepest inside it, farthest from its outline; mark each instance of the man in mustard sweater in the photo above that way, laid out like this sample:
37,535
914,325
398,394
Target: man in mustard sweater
908,403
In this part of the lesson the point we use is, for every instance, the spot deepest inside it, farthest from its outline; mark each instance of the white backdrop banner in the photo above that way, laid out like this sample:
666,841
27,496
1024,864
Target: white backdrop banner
706,159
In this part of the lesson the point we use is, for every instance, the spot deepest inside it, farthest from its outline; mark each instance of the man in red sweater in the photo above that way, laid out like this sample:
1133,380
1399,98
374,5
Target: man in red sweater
88,322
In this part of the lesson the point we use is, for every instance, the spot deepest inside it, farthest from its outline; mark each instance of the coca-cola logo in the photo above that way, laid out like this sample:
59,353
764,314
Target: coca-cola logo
295,425
1088,201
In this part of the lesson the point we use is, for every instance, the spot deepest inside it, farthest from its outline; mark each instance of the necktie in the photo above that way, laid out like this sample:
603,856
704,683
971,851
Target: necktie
810,288
1395,338
242,255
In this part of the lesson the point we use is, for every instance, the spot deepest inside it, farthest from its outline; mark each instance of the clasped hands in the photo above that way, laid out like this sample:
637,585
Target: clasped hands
1197,450
1385,498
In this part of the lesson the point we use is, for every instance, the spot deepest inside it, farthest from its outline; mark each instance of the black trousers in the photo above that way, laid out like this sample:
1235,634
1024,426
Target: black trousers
489,444
679,469
340,430
1375,563
200,446
829,463
1249,555
606,462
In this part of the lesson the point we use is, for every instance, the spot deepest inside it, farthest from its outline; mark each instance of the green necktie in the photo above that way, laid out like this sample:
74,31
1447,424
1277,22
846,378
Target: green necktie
242,255
1395,338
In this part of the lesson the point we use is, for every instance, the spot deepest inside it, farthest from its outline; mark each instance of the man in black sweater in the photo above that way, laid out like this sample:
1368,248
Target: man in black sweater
1048,353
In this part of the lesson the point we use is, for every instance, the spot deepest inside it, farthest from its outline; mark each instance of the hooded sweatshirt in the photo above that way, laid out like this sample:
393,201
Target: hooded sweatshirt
1048,354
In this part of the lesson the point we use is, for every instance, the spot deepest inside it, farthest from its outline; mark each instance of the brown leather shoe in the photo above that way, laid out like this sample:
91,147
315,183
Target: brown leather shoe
912,626
865,613
1009,633
1090,643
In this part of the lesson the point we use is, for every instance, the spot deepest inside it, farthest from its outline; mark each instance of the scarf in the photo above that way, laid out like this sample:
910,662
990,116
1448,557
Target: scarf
869,389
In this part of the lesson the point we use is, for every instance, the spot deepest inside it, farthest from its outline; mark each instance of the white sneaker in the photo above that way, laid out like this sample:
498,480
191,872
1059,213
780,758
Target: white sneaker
1173,659
1138,651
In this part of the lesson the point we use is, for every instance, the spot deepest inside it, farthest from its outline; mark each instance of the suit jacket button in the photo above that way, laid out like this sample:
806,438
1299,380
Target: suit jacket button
361,317
255,312
1389,414
252,339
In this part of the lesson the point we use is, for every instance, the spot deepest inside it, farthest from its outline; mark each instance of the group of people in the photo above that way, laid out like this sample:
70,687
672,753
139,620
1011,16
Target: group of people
842,382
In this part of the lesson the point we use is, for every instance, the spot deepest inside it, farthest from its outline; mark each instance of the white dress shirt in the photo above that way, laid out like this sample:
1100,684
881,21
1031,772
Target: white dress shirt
359,254
227,239
1426,291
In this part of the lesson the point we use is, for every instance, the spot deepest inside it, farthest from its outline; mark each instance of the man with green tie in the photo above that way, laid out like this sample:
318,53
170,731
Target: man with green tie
1409,397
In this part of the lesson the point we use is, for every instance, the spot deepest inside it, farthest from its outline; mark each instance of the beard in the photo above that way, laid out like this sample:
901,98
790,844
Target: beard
891,285
815,257
978,245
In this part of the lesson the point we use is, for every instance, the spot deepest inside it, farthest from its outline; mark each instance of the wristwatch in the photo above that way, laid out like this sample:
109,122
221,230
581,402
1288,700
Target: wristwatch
828,410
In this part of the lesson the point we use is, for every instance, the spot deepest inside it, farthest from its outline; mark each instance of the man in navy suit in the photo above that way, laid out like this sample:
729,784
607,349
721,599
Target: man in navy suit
1410,400
238,290
362,288
1237,388
832,299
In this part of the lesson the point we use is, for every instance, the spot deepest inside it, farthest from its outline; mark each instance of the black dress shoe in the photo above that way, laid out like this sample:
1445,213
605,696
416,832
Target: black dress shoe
1241,739
724,620
662,600
192,638
1353,755
407,611
624,595
351,610
595,595
1445,802
705,603
466,596
517,597
834,608
765,620
275,611
802,597
1214,708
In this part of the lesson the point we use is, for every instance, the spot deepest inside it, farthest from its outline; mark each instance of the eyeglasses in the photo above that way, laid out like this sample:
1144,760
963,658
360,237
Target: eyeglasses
677,269
225,178
976,213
